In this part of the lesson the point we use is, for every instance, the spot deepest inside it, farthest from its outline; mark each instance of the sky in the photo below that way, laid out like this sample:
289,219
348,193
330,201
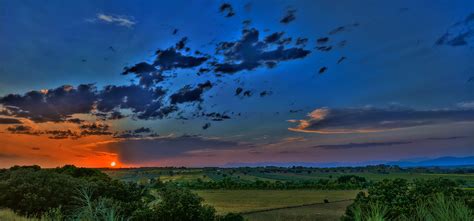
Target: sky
229,83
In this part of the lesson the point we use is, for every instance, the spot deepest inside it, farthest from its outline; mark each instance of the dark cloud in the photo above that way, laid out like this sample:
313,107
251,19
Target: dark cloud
343,28
446,138
323,40
9,121
75,121
171,59
249,52
181,43
134,97
381,144
361,145
142,130
289,17
92,129
61,134
51,105
150,150
137,133
238,91
227,10
23,129
272,38
189,94
324,48
301,41
322,70
214,116
206,125
265,93
360,120
341,59
459,34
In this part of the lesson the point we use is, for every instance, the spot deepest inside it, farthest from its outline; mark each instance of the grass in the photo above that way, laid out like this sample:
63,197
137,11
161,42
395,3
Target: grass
8,215
238,201
320,212
190,174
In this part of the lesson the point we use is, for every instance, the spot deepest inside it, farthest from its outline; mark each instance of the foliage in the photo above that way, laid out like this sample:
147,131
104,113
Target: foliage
33,192
403,199
178,204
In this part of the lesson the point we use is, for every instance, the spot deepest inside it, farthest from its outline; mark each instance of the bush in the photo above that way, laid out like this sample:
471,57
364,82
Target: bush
177,204
34,192
403,199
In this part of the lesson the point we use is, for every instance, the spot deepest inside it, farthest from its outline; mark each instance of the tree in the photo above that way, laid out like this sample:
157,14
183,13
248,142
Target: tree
178,204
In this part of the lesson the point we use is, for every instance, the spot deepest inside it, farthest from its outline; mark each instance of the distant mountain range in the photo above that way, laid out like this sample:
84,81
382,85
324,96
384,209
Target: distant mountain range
440,162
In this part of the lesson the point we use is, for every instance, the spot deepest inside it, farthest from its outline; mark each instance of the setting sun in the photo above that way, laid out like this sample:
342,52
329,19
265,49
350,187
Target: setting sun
113,164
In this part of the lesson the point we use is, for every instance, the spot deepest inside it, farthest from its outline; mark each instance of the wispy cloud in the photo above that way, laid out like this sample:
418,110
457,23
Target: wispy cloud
369,119
120,20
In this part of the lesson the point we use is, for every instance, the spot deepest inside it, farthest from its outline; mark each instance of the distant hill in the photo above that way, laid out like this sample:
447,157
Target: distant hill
440,162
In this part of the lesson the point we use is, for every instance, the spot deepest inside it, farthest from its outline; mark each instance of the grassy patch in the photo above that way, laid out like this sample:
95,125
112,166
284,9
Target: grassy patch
8,215
320,212
238,201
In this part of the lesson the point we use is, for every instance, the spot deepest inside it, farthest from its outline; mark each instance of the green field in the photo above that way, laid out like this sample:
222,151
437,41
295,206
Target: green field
319,212
190,174
242,201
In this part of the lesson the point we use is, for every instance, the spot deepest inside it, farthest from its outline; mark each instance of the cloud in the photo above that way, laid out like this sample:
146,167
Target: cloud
459,34
343,28
153,150
361,145
364,120
188,94
289,17
22,129
119,20
9,121
227,10
249,52
54,105
466,105
386,143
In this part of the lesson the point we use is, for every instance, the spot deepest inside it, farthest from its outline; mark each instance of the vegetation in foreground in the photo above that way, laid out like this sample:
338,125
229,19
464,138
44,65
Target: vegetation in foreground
70,193
398,199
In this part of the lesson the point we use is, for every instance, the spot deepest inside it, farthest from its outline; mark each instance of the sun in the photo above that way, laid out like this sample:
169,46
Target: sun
113,164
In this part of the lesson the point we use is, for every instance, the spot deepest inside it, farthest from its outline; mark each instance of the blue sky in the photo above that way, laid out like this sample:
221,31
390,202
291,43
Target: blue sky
395,67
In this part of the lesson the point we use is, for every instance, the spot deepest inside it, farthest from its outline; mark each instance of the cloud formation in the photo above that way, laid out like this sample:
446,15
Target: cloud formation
9,121
119,20
364,120
459,34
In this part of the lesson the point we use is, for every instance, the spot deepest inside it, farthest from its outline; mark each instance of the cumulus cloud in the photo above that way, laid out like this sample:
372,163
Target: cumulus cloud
51,105
364,120
119,20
